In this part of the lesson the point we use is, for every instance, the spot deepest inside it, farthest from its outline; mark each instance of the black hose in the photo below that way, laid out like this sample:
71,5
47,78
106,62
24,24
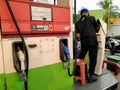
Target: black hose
74,67
75,11
23,41
54,2
71,74
75,30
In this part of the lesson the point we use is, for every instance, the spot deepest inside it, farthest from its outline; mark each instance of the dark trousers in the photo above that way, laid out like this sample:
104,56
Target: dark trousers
92,56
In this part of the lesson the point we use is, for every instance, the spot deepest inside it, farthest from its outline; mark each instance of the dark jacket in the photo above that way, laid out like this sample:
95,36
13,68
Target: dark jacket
87,27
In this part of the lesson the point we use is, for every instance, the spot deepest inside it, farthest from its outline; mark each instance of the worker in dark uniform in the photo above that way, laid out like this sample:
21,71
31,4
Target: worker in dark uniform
87,27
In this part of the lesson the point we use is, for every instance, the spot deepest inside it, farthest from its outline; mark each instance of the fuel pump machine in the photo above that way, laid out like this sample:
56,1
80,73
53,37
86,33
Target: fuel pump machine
30,35
101,46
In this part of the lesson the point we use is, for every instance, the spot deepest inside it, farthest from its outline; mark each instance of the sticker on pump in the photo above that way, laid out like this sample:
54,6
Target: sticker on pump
67,27
51,27
40,27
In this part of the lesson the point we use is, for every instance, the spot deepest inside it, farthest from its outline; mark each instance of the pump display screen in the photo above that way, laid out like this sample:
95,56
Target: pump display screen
41,13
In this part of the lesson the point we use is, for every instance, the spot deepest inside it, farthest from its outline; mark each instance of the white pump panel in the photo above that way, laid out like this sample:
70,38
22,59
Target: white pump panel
45,52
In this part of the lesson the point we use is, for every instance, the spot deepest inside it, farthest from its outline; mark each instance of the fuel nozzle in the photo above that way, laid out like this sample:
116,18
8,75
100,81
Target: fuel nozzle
21,58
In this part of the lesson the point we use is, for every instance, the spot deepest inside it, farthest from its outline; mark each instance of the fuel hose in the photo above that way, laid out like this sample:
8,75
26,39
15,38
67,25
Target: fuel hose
23,41
74,67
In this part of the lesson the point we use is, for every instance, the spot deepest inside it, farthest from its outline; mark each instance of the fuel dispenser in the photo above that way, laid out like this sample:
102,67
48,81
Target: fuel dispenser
30,37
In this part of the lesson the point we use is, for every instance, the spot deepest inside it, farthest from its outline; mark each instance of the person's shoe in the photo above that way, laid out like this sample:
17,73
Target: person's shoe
92,79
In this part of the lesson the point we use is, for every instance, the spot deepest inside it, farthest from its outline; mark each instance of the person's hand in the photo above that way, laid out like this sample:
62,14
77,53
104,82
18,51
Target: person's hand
77,35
